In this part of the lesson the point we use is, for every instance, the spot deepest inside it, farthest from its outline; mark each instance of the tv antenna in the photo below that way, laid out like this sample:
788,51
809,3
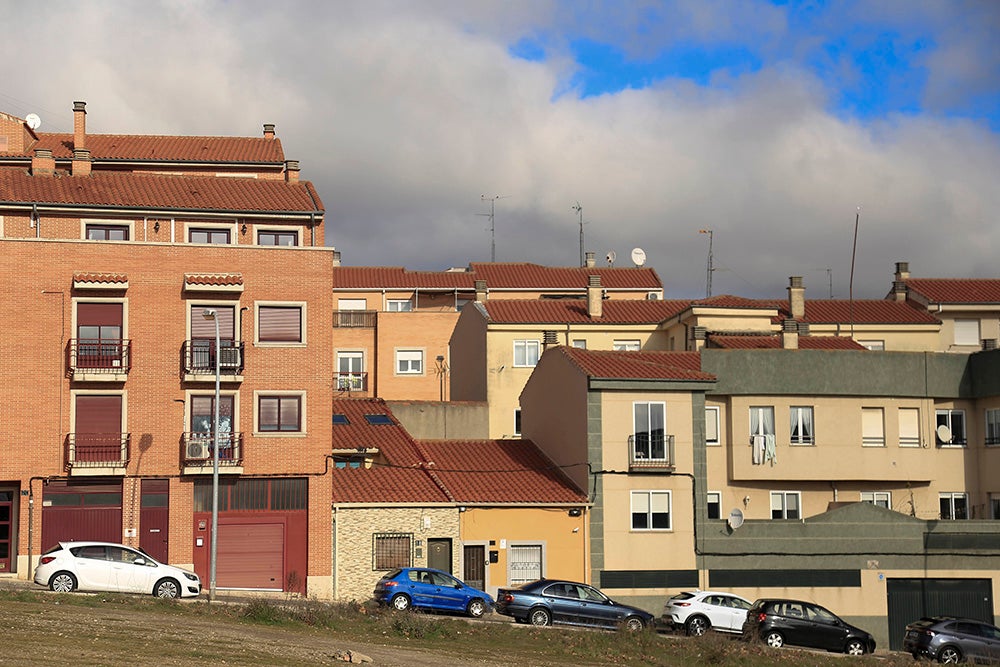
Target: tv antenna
492,216
579,210
708,279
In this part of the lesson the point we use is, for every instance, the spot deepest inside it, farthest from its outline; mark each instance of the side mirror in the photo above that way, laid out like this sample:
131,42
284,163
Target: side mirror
139,561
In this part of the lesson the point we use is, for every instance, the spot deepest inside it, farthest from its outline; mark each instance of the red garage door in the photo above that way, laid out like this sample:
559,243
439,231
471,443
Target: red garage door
250,555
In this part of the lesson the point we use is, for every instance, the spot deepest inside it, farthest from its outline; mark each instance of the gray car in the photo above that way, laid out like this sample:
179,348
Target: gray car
953,640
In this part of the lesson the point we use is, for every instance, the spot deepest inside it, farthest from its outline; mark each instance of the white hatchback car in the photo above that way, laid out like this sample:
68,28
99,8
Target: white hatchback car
699,611
103,566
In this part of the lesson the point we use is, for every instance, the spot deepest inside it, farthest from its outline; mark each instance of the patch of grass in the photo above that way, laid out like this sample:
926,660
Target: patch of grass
265,612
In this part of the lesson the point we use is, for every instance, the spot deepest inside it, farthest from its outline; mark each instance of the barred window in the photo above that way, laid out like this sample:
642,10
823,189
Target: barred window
391,550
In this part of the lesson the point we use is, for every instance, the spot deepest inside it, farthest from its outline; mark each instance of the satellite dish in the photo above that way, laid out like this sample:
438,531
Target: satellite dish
735,518
944,433
638,256
32,120
611,257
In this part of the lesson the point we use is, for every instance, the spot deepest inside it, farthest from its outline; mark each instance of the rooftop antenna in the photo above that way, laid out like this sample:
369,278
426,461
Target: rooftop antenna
829,277
579,211
491,215
708,279
854,251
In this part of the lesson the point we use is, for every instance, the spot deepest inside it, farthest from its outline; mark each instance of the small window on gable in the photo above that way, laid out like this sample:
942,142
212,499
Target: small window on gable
378,420
341,419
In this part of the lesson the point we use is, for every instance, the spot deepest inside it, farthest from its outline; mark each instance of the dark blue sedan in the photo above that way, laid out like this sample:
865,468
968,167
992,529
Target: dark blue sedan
427,588
548,601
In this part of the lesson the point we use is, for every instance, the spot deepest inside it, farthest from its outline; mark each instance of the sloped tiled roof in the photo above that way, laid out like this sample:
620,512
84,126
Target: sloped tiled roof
520,275
381,484
863,311
642,365
154,148
106,278
124,190
774,342
956,290
730,301
392,440
574,311
214,279
498,471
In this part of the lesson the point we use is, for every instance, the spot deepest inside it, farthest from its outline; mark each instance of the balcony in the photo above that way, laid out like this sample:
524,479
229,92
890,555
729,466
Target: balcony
199,360
350,382
97,453
197,453
651,453
354,319
99,360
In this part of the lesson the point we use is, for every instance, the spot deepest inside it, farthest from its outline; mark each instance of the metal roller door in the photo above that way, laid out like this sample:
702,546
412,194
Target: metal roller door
251,556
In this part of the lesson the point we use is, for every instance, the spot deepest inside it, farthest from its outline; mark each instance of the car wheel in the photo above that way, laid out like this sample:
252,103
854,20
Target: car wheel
62,582
476,608
540,617
696,626
774,639
400,602
949,655
167,588
855,647
634,624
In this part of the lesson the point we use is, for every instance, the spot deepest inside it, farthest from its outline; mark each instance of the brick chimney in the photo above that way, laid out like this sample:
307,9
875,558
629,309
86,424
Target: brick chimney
900,290
595,297
796,297
480,291
269,130
81,162
42,163
292,171
902,270
79,125
589,261
789,335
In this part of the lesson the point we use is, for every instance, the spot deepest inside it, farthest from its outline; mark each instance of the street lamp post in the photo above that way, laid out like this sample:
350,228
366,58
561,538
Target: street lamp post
212,314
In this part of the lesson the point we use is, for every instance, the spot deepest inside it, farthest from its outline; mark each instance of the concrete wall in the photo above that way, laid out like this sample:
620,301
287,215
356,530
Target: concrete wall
433,420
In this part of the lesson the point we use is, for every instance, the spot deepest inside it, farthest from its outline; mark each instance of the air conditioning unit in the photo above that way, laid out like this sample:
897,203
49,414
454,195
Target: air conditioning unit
199,450
229,357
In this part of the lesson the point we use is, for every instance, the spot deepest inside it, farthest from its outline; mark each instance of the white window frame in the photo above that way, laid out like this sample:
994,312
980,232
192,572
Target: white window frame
712,417
301,305
873,345
872,427
354,378
649,510
580,343
949,414
950,498
298,231
527,345
713,498
877,498
909,417
991,436
780,503
635,453
795,416
111,222
966,332
629,345
399,305
411,357
529,576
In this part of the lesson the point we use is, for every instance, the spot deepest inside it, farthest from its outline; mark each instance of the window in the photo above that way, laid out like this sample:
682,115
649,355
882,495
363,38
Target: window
107,232
349,461
879,498
399,305
517,421
391,550
625,345
650,510
99,341
785,504
713,503
525,353
378,419
873,345
648,436
580,343
953,432
801,426
203,415
762,434
277,238
909,427
340,419
350,371
279,414
279,324
208,235
201,352
524,563
967,332
409,362
712,425
993,426
954,505
872,427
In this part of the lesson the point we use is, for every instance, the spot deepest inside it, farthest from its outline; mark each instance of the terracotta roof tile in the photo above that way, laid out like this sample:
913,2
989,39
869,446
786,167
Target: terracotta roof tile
774,342
154,148
956,290
392,440
201,193
215,279
521,275
643,365
574,311
730,301
863,311
385,485
110,278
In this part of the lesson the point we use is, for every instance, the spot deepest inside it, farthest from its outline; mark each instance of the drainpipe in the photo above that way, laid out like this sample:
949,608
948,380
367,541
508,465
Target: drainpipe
37,223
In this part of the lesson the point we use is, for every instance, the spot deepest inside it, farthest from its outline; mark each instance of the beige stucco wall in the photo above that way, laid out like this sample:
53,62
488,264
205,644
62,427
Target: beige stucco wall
468,356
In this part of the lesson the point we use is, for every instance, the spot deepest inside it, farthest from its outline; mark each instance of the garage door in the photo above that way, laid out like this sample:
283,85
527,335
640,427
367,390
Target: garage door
251,556
910,599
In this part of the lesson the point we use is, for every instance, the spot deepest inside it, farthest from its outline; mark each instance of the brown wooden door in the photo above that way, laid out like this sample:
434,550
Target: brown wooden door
474,568
154,518
439,554
6,528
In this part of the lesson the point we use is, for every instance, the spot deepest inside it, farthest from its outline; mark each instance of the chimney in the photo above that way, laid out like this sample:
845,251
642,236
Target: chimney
480,291
81,162
789,335
42,163
796,297
336,258
699,335
589,261
79,125
549,339
900,290
292,171
902,270
595,297
269,130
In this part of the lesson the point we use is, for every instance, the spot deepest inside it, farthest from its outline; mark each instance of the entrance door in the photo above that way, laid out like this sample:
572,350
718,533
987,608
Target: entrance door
154,518
439,554
6,528
474,568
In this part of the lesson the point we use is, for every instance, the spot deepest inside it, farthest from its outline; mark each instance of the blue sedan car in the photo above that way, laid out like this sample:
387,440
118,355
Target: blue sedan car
427,588
548,601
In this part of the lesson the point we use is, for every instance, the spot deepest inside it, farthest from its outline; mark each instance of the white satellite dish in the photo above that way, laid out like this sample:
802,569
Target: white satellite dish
735,518
33,121
944,433
611,257
638,256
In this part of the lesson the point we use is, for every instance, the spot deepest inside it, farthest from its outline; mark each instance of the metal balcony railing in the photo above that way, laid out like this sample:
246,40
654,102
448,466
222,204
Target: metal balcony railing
100,355
651,451
197,449
199,357
350,381
354,319
97,450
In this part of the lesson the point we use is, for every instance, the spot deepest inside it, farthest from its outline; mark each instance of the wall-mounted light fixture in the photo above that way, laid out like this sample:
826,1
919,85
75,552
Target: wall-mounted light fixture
156,226
243,229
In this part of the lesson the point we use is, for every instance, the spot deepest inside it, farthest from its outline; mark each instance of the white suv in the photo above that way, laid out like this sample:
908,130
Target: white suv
103,566
699,611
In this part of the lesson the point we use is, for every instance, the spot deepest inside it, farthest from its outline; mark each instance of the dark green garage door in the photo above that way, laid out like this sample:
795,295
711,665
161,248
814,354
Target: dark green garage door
911,599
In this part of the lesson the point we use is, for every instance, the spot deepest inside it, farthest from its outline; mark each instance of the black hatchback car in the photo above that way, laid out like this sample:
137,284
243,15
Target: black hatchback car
778,622
953,640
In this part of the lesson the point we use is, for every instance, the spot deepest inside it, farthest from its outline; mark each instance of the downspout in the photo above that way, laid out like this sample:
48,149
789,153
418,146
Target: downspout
173,234
37,221
31,526
312,228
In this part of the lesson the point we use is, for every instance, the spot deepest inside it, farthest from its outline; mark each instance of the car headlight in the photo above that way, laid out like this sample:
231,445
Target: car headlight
191,577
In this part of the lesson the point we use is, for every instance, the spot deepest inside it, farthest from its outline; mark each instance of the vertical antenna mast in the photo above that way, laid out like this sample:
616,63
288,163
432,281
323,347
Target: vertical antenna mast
491,215
708,279
854,251
579,210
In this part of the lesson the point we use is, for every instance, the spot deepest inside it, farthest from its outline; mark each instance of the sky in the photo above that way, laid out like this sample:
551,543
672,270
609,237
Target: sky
786,129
